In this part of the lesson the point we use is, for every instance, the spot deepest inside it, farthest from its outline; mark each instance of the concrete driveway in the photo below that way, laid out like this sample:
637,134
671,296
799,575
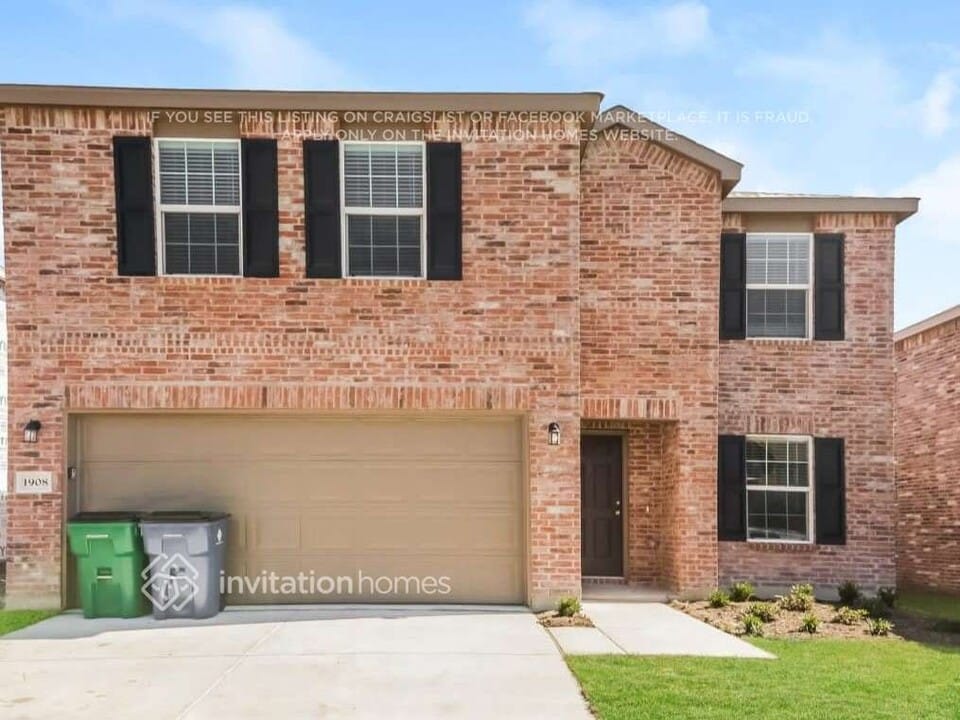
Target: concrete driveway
334,662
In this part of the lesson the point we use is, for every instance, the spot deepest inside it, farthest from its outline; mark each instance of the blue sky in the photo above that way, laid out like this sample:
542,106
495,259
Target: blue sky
863,98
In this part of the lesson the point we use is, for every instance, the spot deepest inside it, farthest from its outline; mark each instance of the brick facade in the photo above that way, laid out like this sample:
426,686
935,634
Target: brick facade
505,338
826,389
649,272
928,455
589,295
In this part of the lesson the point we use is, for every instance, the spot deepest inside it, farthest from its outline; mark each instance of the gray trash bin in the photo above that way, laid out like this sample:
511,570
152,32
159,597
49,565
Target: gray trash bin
185,556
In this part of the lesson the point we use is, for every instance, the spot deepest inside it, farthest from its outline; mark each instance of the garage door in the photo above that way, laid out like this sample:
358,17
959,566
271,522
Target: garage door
328,509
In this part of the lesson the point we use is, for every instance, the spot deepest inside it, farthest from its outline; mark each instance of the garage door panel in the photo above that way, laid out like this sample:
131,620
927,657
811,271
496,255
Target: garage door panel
167,486
431,532
279,531
383,496
344,578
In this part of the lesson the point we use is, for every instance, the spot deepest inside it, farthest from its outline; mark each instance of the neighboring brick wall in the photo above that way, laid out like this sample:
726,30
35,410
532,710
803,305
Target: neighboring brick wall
928,458
649,276
828,389
505,338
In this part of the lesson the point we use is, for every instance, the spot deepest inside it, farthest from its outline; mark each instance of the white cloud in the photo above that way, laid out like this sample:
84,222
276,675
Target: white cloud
938,190
260,50
580,35
935,106
858,83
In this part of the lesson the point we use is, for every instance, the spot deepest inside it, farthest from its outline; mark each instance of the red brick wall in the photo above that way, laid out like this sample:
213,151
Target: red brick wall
505,338
829,389
928,458
649,274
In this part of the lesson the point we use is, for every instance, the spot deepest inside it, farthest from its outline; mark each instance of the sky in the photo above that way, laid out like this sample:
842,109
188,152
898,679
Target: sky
824,97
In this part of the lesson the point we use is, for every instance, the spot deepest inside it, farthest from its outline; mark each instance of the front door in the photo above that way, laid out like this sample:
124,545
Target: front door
601,516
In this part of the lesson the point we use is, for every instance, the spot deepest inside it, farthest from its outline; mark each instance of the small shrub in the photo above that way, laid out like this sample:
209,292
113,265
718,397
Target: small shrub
797,601
850,616
718,599
879,626
752,625
810,623
741,591
888,595
876,608
568,607
802,589
767,612
849,593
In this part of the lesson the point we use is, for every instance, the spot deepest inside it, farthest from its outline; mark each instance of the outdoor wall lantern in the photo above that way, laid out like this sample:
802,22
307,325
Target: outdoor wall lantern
31,431
553,433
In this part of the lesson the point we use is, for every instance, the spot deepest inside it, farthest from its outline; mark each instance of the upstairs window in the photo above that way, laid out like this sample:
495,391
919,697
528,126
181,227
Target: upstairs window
384,221
199,208
779,497
778,284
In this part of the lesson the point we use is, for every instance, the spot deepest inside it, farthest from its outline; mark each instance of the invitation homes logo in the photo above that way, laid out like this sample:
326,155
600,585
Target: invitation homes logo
172,582
312,584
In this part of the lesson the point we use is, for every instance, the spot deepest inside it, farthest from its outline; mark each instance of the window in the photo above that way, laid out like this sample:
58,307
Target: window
383,208
778,284
779,496
199,213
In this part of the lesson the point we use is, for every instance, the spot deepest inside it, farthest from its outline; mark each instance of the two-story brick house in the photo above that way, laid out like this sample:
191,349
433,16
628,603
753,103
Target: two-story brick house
471,347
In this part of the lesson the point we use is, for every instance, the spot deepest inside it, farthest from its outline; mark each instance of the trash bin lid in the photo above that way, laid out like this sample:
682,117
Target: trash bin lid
106,516
183,516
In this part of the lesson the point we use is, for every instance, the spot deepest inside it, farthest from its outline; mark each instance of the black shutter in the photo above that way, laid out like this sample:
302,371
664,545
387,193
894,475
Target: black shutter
733,286
828,287
261,229
133,183
321,187
444,213
732,488
829,488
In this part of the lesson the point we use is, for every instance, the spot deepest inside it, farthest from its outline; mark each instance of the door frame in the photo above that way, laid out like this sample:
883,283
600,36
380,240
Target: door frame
623,434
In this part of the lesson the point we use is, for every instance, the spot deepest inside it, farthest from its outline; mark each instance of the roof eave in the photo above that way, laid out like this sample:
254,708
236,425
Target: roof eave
900,207
622,116
940,318
251,100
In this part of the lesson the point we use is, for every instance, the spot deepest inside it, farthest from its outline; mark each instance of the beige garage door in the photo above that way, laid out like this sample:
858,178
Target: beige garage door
328,509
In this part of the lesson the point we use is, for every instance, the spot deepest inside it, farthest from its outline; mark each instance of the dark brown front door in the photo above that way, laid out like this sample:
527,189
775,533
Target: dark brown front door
601,493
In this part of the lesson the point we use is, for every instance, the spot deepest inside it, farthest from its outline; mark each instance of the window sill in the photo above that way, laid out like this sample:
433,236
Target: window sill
199,276
780,546
383,278
777,340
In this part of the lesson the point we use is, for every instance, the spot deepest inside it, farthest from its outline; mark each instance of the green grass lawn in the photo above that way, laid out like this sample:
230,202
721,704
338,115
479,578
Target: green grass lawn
810,680
11,620
943,607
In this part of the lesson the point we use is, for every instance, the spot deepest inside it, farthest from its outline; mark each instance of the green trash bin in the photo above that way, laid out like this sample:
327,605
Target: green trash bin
110,563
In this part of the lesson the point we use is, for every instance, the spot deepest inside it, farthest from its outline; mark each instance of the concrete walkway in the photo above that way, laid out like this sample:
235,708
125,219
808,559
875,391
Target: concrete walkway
649,629
335,662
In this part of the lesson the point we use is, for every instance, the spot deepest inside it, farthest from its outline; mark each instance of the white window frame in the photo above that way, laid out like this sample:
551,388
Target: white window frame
809,490
808,320
160,207
420,212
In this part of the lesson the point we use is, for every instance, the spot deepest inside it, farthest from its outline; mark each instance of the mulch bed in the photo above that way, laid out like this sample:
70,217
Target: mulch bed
550,618
787,623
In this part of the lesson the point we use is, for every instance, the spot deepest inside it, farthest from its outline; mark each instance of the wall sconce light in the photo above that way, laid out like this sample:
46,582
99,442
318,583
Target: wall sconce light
553,433
31,431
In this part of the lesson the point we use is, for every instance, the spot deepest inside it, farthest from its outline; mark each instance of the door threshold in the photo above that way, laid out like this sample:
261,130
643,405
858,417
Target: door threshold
604,579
